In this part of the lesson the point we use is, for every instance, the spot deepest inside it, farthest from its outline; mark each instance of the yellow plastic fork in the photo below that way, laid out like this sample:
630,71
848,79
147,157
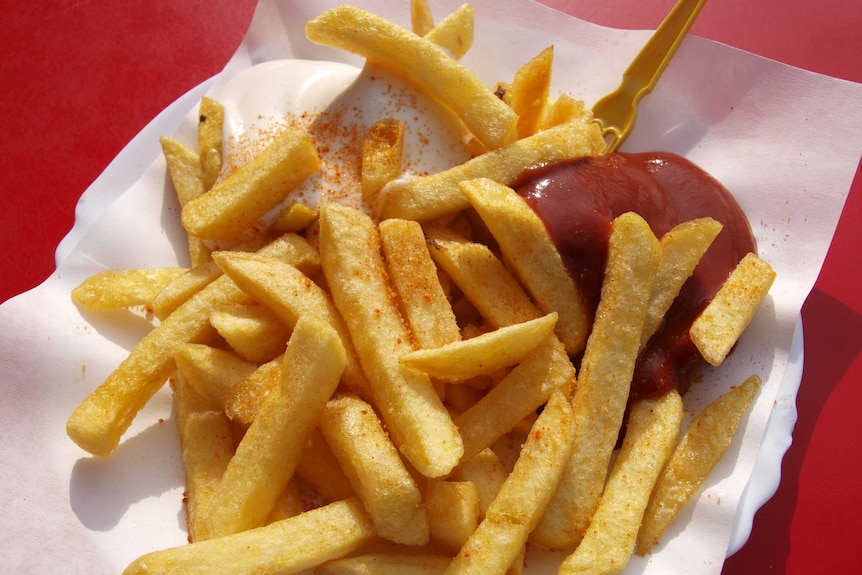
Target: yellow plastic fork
616,112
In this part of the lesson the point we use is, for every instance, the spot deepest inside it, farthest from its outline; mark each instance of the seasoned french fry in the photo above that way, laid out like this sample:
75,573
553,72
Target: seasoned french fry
708,436
319,468
267,456
254,332
120,289
211,371
418,422
651,433
563,109
522,499
288,504
210,123
453,510
243,400
718,328
421,19
604,380
386,564
527,246
184,168
381,155
294,219
681,250
455,32
529,385
415,279
422,63
231,209
286,546
290,294
483,354
374,469
207,444
429,197
486,473
530,90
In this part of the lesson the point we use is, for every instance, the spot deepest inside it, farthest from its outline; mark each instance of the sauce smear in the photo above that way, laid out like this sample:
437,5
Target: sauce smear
578,201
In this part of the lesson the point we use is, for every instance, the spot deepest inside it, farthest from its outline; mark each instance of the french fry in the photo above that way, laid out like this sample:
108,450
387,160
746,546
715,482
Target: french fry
210,125
288,504
718,328
486,473
418,422
604,380
267,456
528,248
211,371
287,546
386,564
529,385
483,354
120,289
242,401
230,210
651,433
708,436
177,292
563,109
681,250
453,511
319,468
294,219
522,499
422,63
381,155
254,332
455,32
421,19
290,294
374,469
530,90
414,276
184,168
429,197
207,446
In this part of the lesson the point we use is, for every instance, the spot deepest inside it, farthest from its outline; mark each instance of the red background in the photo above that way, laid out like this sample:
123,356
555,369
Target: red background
81,78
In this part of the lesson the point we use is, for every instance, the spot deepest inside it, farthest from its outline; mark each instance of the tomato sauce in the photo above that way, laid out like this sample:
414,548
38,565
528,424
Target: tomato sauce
578,201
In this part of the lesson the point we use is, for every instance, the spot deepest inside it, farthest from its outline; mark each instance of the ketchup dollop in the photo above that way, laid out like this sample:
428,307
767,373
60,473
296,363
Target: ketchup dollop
578,200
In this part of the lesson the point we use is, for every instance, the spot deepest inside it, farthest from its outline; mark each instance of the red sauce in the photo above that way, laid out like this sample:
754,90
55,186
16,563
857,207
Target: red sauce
579,199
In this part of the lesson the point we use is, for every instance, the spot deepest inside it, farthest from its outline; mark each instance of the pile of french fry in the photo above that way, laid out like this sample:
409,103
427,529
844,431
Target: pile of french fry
394,393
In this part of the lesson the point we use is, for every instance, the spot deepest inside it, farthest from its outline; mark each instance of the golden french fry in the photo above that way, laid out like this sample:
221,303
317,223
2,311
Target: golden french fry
604,380
651,432
483,278
290,294
386,564
120,289
210,125
288,504
428,197
530,90
421,19
381,155
319,468
529,385
718,328
267,456
483,354
207,444
254,332
564,109
414,277
528,248
286,546
211,371
453,510
455,32
486,473
708,436
294,219
184,168
522,499
374,469
230,210
243,400
422,63
418,422
681,250
177,292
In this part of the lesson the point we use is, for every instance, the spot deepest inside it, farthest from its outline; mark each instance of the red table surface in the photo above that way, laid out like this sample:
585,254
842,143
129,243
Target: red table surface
80,79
